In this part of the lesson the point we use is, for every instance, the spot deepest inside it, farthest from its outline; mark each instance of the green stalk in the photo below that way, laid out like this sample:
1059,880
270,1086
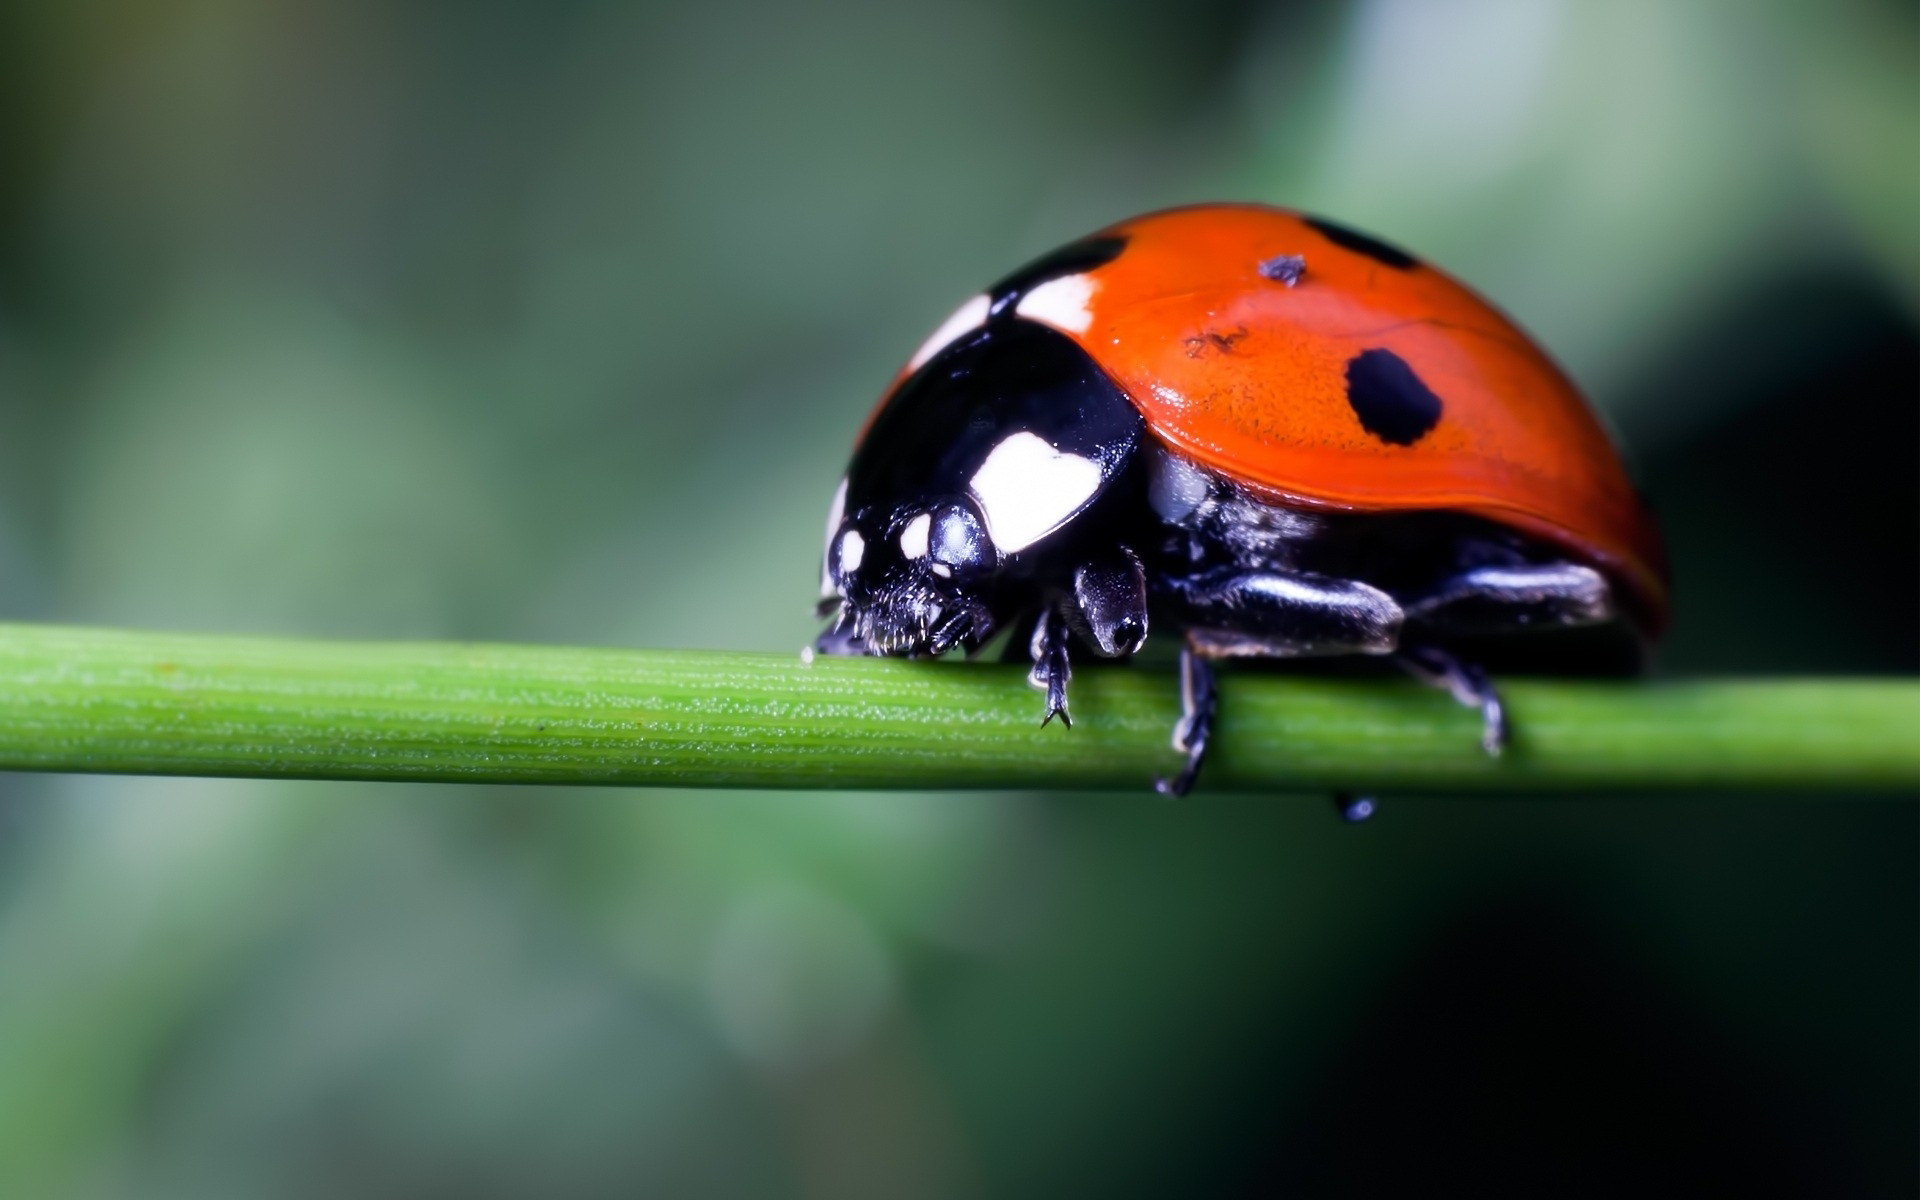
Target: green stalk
74,699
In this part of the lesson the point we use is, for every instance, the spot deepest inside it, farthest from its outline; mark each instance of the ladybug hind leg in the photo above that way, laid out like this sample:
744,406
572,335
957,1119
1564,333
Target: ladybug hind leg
1504,599
1491,601
1467,683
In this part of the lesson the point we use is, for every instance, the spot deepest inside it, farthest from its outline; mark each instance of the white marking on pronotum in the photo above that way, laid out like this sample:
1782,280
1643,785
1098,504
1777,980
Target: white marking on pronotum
835,511
853,548
1061,303
1027,489
965,319
913,539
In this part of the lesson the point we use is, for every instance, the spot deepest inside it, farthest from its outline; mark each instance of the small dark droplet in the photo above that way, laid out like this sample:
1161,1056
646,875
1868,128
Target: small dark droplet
1360,243
1390,400
1354,809
1285,268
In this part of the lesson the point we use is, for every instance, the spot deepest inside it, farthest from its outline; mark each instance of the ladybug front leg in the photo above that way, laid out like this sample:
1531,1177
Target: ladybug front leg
1051,666
1105,606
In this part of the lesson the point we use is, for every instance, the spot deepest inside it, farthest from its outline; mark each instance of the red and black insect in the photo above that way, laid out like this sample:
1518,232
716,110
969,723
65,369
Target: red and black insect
1271,434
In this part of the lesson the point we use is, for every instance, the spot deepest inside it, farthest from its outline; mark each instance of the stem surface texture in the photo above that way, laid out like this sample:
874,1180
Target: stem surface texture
94,700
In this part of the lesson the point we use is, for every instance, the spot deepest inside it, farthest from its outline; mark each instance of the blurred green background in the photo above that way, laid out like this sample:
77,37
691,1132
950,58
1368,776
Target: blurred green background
554,322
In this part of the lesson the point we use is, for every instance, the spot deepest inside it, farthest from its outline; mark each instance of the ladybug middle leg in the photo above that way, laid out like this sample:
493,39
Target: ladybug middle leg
1198,702
1230,612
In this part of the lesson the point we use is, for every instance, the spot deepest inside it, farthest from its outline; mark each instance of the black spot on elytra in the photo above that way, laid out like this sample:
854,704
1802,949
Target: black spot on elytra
1390,400
1070,259
1360,243
1285,268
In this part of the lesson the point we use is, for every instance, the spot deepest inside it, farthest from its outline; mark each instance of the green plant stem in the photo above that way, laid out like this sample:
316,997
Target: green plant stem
75,699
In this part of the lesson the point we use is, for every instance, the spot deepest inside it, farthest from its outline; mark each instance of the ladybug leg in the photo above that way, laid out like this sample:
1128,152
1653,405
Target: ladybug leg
1231,613
1468,684
1494,600
1107,607
1198,703
839,637
1051,667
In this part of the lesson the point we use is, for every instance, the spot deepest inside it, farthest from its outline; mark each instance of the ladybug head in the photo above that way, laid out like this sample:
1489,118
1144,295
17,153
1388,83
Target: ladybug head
973,475
907,578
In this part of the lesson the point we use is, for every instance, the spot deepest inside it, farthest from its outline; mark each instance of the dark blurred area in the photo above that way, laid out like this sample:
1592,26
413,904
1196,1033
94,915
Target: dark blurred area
554,323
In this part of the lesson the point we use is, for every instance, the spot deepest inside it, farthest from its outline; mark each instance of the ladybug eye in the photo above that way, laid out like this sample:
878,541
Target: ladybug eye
958,540
950,538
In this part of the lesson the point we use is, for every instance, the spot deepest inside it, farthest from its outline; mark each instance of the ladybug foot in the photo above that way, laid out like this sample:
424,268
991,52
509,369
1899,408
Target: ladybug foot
1198,703
1051,666
1493,723
1468,684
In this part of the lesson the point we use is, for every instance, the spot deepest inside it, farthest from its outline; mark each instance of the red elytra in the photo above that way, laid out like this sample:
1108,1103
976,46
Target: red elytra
1250,379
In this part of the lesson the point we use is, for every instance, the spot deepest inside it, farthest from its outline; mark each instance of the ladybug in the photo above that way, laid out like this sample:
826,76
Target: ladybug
1265,432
